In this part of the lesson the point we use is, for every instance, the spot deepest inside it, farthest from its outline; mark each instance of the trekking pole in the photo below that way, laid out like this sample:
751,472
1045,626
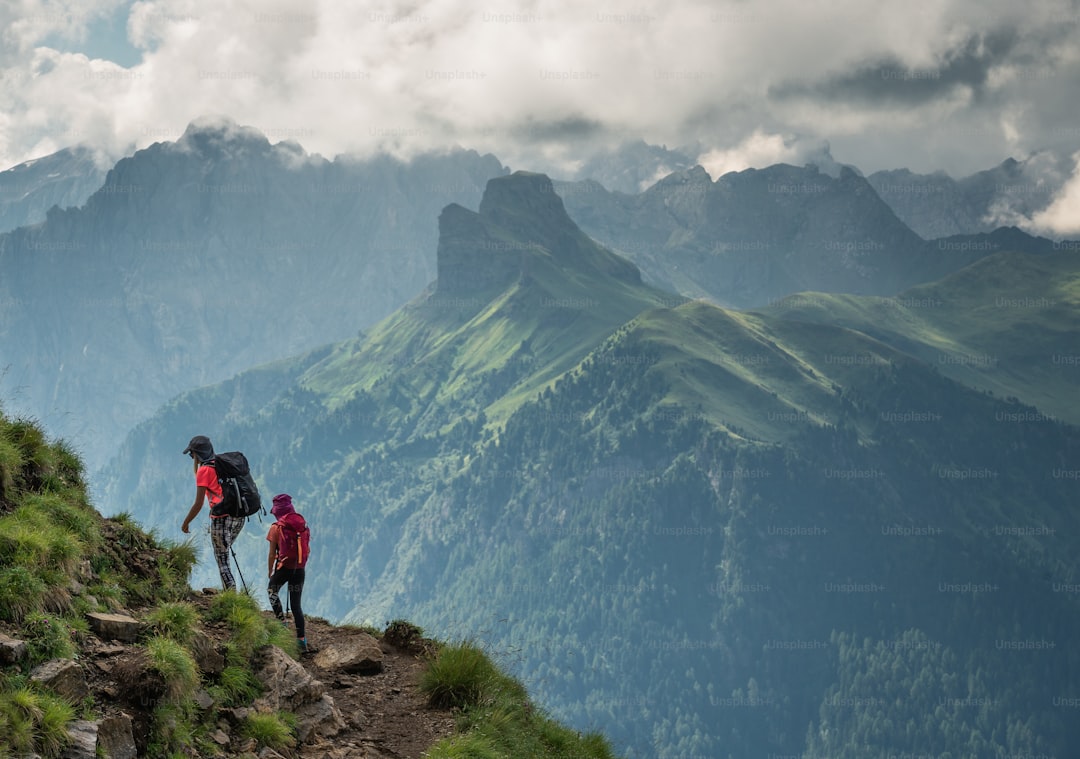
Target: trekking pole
237,562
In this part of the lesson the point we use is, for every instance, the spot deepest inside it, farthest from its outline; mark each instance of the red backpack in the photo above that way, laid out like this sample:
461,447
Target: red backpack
293,540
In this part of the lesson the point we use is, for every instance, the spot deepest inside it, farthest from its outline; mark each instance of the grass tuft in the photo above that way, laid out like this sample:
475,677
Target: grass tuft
236,686
461,675
174,620
273,730
173,662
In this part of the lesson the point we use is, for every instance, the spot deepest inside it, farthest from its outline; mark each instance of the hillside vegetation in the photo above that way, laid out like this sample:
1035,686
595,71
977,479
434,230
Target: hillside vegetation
105,650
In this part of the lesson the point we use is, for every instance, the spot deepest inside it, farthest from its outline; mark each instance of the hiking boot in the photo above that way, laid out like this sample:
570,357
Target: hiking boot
305,649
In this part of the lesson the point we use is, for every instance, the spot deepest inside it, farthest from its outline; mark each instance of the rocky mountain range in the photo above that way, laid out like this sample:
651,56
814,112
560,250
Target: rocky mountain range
754,236
193,260
202,257
64,179
712,532
937,205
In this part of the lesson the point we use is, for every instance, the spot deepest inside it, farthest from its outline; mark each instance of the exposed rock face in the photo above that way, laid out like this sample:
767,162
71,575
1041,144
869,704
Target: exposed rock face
469,260
115,739
209,660
66,178
520,217
936,205
757,235
109,737
289,687
64,677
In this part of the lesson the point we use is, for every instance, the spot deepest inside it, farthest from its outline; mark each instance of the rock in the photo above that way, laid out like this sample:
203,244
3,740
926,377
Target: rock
114,626
289,687
203,699
12,650
269,753
220,738
83,744
115,738
208,659
360,654
64,677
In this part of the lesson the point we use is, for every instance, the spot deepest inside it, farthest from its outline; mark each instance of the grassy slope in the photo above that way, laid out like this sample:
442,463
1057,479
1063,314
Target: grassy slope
60,559
534,331
996,325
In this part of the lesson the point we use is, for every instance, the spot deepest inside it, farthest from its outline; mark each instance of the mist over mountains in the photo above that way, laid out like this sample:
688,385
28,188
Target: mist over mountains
794,531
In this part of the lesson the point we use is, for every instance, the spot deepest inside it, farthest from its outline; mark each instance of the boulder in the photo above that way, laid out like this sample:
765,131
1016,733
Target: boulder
12,651
83,736
115,737
114,626
358,654
289,687
64,677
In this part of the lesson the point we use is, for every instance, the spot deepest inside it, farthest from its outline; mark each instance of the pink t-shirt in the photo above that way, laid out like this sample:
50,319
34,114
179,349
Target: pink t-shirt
206,477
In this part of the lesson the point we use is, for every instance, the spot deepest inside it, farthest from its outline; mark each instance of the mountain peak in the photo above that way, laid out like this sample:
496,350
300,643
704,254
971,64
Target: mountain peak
524,202
520,217
221,136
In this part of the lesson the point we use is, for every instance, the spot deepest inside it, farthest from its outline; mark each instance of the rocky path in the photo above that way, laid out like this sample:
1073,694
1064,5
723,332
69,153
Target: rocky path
385,714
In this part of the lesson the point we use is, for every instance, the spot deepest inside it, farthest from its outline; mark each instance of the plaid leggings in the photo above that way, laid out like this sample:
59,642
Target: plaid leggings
223,532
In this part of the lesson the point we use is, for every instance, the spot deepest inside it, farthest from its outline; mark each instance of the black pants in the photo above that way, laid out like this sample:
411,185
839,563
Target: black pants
295,579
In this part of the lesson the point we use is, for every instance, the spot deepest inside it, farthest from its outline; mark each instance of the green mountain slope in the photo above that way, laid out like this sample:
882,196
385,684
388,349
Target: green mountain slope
1005,324
705,532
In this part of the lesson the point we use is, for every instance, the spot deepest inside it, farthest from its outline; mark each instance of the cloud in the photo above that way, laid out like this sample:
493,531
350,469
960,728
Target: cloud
548,81
759,149
1062,217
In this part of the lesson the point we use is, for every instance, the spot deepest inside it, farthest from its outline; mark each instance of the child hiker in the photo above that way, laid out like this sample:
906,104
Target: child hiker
288,538
223,528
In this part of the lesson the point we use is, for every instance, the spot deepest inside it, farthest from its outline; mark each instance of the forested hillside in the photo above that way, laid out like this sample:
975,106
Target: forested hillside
711,533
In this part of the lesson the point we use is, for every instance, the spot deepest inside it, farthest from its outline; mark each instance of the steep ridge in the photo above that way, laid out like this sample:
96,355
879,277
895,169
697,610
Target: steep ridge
206,256
64,179
715,532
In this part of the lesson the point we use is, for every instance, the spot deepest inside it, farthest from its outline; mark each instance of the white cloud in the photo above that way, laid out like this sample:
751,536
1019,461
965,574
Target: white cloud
759,149
1062,217
546,79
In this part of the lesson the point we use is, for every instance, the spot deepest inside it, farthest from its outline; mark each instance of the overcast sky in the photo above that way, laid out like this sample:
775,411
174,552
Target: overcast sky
958,85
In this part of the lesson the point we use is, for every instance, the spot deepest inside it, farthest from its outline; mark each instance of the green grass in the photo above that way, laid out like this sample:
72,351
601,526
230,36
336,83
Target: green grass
174,620
236,686
175,665
1016,310
273,730
461,675
498,721
21,592
249,629
47,637
32,720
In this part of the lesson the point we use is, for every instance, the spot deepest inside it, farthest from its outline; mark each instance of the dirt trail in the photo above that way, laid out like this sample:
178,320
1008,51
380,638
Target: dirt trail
386,714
